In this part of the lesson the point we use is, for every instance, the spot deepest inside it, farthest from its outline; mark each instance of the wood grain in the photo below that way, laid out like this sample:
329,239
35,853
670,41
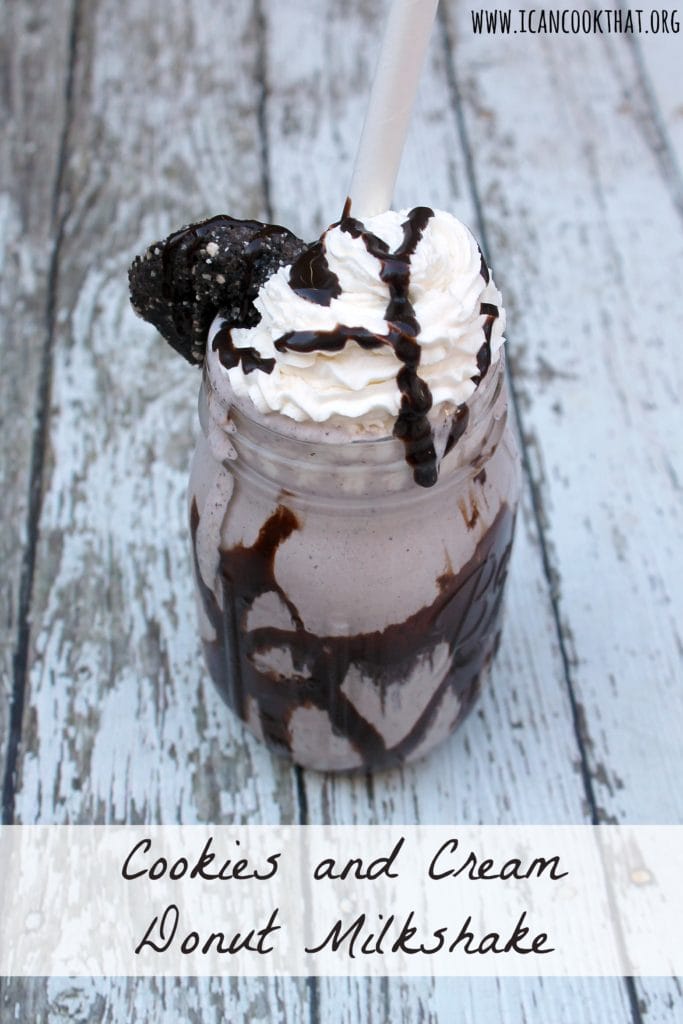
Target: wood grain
120,724
657,58
113,532
585,265
34,55
254,109
575,197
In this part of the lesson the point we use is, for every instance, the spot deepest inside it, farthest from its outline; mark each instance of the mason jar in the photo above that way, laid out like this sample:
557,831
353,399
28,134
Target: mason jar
348,616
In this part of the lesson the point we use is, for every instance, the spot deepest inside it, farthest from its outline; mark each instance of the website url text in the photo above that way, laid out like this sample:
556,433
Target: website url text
574,21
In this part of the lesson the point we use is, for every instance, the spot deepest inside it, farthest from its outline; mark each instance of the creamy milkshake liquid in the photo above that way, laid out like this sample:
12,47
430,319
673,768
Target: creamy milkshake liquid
353,493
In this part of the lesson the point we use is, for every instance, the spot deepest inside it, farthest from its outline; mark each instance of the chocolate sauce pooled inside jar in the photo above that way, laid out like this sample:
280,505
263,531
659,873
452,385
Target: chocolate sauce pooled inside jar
463,618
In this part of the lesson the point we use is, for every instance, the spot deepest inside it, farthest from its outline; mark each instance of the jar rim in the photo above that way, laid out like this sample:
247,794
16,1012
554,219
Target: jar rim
228,410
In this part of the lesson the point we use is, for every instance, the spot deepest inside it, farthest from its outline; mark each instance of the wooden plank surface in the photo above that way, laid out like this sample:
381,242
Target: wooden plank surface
34,54
207,110
657,59
113,531
586,227
120,724
585,213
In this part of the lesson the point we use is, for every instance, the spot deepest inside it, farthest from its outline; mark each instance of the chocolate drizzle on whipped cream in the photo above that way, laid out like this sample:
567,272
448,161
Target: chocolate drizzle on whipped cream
312,278
229,355
484,270
491,312
218,267
412,425
328,341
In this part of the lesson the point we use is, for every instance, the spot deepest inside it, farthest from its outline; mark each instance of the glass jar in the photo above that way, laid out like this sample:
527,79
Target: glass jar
348,615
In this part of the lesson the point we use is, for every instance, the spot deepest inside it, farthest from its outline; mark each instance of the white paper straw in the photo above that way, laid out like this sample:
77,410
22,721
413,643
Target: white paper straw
391,102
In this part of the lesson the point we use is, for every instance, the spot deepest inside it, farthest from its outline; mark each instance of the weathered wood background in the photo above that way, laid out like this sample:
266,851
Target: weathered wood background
124,120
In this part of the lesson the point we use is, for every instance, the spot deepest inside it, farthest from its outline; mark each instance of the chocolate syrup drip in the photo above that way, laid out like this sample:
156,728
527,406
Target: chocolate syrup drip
230,356
470,515
185,241
252,257
189,239
257,563
484,270
329,341
484,354
461,418
395,266
311,277
224,656
464,615
412,425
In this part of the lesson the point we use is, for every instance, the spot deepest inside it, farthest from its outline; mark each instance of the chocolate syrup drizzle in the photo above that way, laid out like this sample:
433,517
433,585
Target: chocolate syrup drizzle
412,425
312,278
461,418
491,312
230,356
483,269
464,614
329,341
188,240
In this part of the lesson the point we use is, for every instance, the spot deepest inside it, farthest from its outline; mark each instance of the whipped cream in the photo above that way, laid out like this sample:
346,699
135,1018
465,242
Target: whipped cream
448,284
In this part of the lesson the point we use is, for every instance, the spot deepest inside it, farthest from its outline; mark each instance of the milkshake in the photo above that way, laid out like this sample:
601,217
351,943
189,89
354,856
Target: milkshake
353,492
